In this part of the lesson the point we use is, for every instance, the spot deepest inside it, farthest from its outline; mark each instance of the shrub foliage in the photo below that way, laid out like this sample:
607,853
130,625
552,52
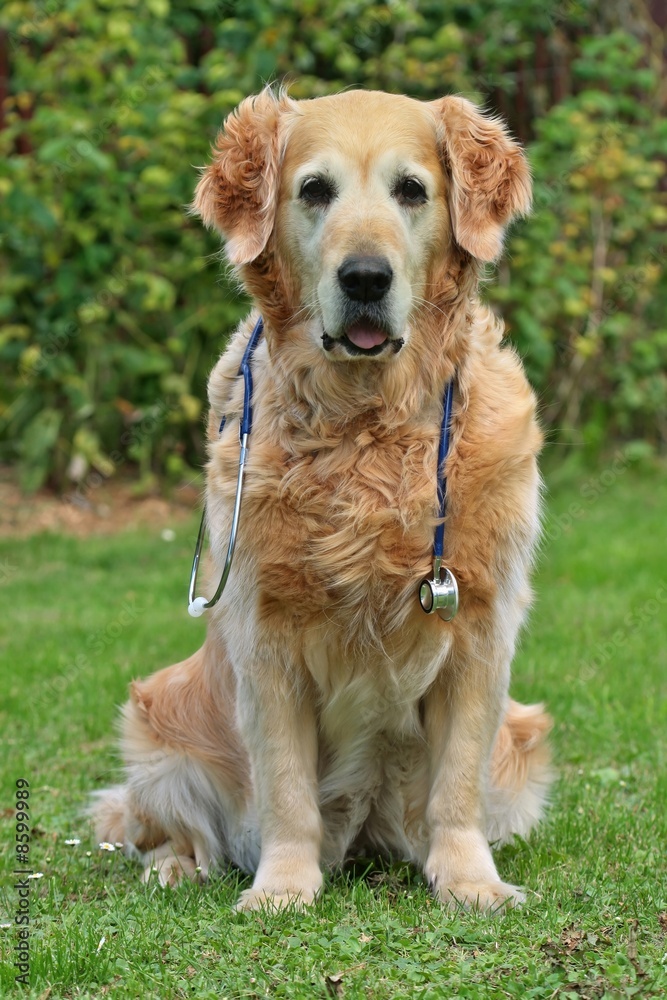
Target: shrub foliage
113,305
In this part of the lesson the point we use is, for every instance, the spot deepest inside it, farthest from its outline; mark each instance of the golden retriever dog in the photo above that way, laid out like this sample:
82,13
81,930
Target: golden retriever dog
326,714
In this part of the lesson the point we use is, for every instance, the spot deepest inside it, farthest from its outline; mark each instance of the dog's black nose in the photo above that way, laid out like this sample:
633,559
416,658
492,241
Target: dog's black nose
365,279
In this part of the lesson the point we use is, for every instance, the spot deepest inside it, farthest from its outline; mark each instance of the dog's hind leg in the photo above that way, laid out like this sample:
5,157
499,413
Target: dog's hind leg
184,802
172,864
117,821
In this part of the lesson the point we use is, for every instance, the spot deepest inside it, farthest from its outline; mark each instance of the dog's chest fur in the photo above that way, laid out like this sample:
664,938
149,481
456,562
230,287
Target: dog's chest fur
346,509
348,519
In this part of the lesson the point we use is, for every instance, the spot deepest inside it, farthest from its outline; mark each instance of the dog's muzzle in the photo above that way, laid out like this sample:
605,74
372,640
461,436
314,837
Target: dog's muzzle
365,329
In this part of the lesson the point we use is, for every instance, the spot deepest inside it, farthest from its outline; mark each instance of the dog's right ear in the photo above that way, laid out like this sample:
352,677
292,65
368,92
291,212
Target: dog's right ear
237,193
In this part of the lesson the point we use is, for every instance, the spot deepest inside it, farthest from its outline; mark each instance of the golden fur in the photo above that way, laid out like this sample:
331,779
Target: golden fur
326,713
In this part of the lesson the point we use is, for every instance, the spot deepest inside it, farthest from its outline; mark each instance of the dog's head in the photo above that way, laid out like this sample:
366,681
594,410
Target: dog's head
341,211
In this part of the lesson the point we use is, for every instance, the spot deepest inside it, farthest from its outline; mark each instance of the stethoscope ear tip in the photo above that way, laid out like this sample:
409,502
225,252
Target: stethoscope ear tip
197,607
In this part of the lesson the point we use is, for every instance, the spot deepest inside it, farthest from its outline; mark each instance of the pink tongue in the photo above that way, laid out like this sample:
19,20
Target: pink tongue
365,337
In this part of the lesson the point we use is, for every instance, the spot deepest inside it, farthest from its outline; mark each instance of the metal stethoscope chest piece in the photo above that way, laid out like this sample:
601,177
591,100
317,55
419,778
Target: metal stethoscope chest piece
441,593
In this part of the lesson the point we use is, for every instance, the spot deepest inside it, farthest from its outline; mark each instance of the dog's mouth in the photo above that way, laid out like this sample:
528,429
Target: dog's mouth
363,339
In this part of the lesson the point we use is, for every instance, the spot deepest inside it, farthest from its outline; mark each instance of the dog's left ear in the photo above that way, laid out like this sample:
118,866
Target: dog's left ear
489,175
237,193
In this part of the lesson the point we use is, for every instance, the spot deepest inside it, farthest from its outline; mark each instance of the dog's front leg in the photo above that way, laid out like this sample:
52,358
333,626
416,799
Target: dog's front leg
462,714
278,722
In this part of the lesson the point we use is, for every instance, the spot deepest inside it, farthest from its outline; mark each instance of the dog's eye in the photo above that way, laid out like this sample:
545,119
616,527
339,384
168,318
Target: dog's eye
410,191
317,191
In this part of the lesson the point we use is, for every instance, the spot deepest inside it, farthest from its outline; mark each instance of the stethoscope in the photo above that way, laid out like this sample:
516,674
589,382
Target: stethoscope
440,594
198,605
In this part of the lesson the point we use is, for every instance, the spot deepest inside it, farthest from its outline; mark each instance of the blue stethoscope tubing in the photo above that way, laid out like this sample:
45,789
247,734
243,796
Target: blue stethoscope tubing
434,591
197,605
443,451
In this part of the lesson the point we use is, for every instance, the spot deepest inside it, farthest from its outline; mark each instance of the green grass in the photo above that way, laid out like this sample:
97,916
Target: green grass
595,923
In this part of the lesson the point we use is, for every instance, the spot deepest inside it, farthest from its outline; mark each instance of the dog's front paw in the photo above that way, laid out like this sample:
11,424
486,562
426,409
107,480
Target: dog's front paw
461,873
483,897
259,899
297,891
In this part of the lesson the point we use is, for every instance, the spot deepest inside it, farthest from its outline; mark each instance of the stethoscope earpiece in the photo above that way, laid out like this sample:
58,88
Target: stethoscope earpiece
440,594
197,607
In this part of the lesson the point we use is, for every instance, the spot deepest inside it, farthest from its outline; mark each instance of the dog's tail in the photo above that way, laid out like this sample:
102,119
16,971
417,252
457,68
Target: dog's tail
520,773
108,812
115,821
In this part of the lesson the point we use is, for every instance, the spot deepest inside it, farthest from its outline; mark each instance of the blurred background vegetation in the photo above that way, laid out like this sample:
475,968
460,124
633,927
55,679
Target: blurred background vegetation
112,304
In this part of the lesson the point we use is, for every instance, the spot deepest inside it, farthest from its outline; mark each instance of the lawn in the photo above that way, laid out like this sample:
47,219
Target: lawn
83,617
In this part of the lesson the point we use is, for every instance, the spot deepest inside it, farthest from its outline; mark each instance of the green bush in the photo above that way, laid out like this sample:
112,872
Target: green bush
112,311
112,304
583,289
